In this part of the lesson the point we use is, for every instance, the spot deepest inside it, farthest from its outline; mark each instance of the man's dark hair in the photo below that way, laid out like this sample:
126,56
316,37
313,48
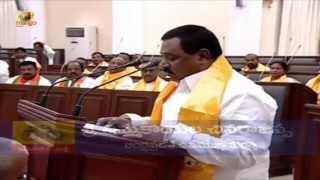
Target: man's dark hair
20,49
126,54
27,63
38,43
193,38
100,53
283,64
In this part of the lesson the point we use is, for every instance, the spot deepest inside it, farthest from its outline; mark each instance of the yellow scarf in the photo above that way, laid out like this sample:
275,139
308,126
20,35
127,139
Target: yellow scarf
131,69
314,84
110,76
283,79
201,111
142,85
260,68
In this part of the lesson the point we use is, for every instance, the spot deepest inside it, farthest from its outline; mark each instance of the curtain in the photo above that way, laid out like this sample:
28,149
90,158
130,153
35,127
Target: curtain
300,28
8,14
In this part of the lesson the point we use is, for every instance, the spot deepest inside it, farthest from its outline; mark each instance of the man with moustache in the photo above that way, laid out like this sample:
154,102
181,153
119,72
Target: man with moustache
150,80
225,128
29,75
74,71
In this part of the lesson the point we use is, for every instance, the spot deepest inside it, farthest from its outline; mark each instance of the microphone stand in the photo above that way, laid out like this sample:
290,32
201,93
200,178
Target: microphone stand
79,104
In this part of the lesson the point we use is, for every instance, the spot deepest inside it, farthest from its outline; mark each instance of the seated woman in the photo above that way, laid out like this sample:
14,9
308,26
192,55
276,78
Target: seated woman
278,73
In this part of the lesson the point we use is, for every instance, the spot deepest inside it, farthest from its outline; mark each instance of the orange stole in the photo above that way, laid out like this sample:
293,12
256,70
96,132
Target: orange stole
201,111
20,80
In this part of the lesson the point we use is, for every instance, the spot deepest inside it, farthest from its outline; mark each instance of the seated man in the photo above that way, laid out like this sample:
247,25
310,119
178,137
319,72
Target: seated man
225,128
252,64
75,69
4,71
29,75
123,83
127,57
150,80
45,49
14,160
20,54
98,61
279,70
314,84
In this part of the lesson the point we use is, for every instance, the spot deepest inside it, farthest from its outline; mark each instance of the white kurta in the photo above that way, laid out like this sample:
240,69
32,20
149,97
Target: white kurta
87,82
4,71
43,81
150,86
126,83
247,113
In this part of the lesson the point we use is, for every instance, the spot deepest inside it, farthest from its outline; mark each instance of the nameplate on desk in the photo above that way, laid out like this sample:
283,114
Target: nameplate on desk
101,128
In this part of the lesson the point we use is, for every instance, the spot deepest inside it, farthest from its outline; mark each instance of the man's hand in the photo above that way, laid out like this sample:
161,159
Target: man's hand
121,122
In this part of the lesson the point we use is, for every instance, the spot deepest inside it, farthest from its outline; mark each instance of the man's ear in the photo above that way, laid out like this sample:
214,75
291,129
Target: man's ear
205,57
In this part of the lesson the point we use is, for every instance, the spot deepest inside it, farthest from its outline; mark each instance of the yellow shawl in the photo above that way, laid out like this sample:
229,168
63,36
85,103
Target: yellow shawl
142,85
110,76
260,68
201,111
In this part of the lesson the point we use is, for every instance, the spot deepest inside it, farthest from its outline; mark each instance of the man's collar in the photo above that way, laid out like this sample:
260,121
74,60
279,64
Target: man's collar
191,81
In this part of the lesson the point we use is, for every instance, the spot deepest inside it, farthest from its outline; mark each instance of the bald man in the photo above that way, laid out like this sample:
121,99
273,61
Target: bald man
253,64
13,160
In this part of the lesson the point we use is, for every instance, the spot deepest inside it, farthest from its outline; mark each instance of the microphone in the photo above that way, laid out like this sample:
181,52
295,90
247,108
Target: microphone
44,100
294,53
268,63
78,107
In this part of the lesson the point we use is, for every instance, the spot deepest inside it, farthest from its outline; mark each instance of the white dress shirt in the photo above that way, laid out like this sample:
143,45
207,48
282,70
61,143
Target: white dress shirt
87,82
150,86
42,82
49,52
4,71
247,113
125,83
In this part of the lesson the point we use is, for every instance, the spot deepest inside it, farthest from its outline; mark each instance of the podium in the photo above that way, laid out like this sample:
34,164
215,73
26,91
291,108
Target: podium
61,149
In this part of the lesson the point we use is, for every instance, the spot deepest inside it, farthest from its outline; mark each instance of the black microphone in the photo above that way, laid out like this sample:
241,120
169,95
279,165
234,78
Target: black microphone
78,107
44,100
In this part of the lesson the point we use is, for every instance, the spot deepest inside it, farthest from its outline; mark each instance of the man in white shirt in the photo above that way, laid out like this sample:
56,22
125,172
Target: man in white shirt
124,83
45,49
74,70
4,71
29,75
209,91
20,54
150,80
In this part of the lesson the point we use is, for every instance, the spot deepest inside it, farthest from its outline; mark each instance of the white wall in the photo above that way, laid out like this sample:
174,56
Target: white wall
62,13
162,15
27,35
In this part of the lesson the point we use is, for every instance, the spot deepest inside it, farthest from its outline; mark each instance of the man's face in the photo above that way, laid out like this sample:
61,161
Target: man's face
176,63
20,54
251,61
37,47
116,62
97,59
125,57
28,71
150,74
276,70
74,70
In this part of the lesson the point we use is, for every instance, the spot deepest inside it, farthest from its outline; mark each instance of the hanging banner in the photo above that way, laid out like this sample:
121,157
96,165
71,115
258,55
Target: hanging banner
26,18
